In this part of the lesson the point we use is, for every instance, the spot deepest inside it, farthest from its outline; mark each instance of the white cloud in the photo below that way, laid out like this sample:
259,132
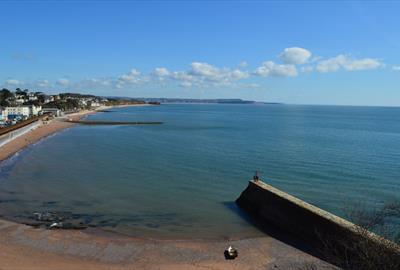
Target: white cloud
270,68
13,82
186,84
204,69
133,77
332,64
363,64
203,74
396,68
161,72
347,63
295,56
185,79
209,74
63,82
43,83
307,69
93,83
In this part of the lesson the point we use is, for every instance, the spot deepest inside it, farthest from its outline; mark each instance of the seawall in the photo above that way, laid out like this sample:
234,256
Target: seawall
11,135
316,227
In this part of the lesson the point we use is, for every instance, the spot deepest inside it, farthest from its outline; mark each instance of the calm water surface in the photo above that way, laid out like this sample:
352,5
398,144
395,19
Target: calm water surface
180,179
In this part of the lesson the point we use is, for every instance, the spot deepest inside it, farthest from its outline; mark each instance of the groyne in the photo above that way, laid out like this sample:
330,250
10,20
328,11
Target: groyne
87,122
324,232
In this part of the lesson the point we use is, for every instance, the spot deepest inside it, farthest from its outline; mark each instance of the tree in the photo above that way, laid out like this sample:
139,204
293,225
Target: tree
365,252
18,91
5,95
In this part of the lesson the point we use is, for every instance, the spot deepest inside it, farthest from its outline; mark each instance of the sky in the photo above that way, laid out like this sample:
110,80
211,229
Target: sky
331,52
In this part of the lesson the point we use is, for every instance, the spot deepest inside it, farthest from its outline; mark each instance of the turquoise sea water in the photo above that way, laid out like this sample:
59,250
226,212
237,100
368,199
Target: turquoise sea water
180,179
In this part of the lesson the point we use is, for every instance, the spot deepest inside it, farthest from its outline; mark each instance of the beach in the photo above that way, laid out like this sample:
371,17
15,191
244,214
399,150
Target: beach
23,247
26,247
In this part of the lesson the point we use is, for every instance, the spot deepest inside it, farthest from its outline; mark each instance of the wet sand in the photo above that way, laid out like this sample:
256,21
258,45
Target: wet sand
25,247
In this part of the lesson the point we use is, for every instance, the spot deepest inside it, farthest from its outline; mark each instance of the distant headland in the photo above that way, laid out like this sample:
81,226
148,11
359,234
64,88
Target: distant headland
197,100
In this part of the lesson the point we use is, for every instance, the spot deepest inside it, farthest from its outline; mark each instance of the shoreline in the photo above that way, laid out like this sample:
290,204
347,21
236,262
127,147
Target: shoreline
25,247
44,130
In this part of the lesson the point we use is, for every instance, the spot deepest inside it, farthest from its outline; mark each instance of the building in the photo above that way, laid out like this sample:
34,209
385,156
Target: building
35,110
3,115
20,100
95,104
32,97
24,111
48,99
13,112
53,111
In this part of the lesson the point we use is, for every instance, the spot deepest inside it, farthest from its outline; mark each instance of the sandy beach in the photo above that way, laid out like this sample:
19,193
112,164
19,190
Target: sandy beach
25,247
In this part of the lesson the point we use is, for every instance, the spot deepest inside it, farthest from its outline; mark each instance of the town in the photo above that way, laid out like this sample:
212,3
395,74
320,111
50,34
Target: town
22,105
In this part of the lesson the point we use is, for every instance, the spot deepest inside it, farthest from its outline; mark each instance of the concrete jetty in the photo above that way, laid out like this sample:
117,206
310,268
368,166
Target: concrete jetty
316,227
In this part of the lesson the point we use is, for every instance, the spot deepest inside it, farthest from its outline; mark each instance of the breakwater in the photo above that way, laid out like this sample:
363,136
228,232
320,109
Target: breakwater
87,122
334,237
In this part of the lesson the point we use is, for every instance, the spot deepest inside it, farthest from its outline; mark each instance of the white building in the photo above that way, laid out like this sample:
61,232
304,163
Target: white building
95,104
20,110
82,102
3,115
36,110
48,99
25,111
20,100
32,98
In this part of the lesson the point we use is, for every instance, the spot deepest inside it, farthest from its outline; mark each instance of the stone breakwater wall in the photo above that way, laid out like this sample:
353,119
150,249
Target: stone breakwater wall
316,227
6,138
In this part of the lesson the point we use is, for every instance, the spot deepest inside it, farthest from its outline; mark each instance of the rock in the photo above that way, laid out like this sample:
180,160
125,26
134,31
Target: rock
230,253
47,217
52,220
56,225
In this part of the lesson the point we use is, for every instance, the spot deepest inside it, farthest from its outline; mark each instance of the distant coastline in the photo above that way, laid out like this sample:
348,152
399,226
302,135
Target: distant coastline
198,100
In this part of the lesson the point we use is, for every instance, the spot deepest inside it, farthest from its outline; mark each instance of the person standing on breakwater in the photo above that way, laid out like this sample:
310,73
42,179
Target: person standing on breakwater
256,177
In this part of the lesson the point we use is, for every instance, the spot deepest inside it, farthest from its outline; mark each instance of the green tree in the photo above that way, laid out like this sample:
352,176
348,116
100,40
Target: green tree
5,94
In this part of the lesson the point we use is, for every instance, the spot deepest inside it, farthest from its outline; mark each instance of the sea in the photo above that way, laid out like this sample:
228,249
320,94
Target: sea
180,179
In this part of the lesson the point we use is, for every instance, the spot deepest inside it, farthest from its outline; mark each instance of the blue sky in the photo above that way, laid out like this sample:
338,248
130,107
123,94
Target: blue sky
291,52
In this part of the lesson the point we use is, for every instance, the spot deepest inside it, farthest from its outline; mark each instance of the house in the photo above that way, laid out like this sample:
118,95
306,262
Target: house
32,96
49,99
95,104
20,100
83,102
